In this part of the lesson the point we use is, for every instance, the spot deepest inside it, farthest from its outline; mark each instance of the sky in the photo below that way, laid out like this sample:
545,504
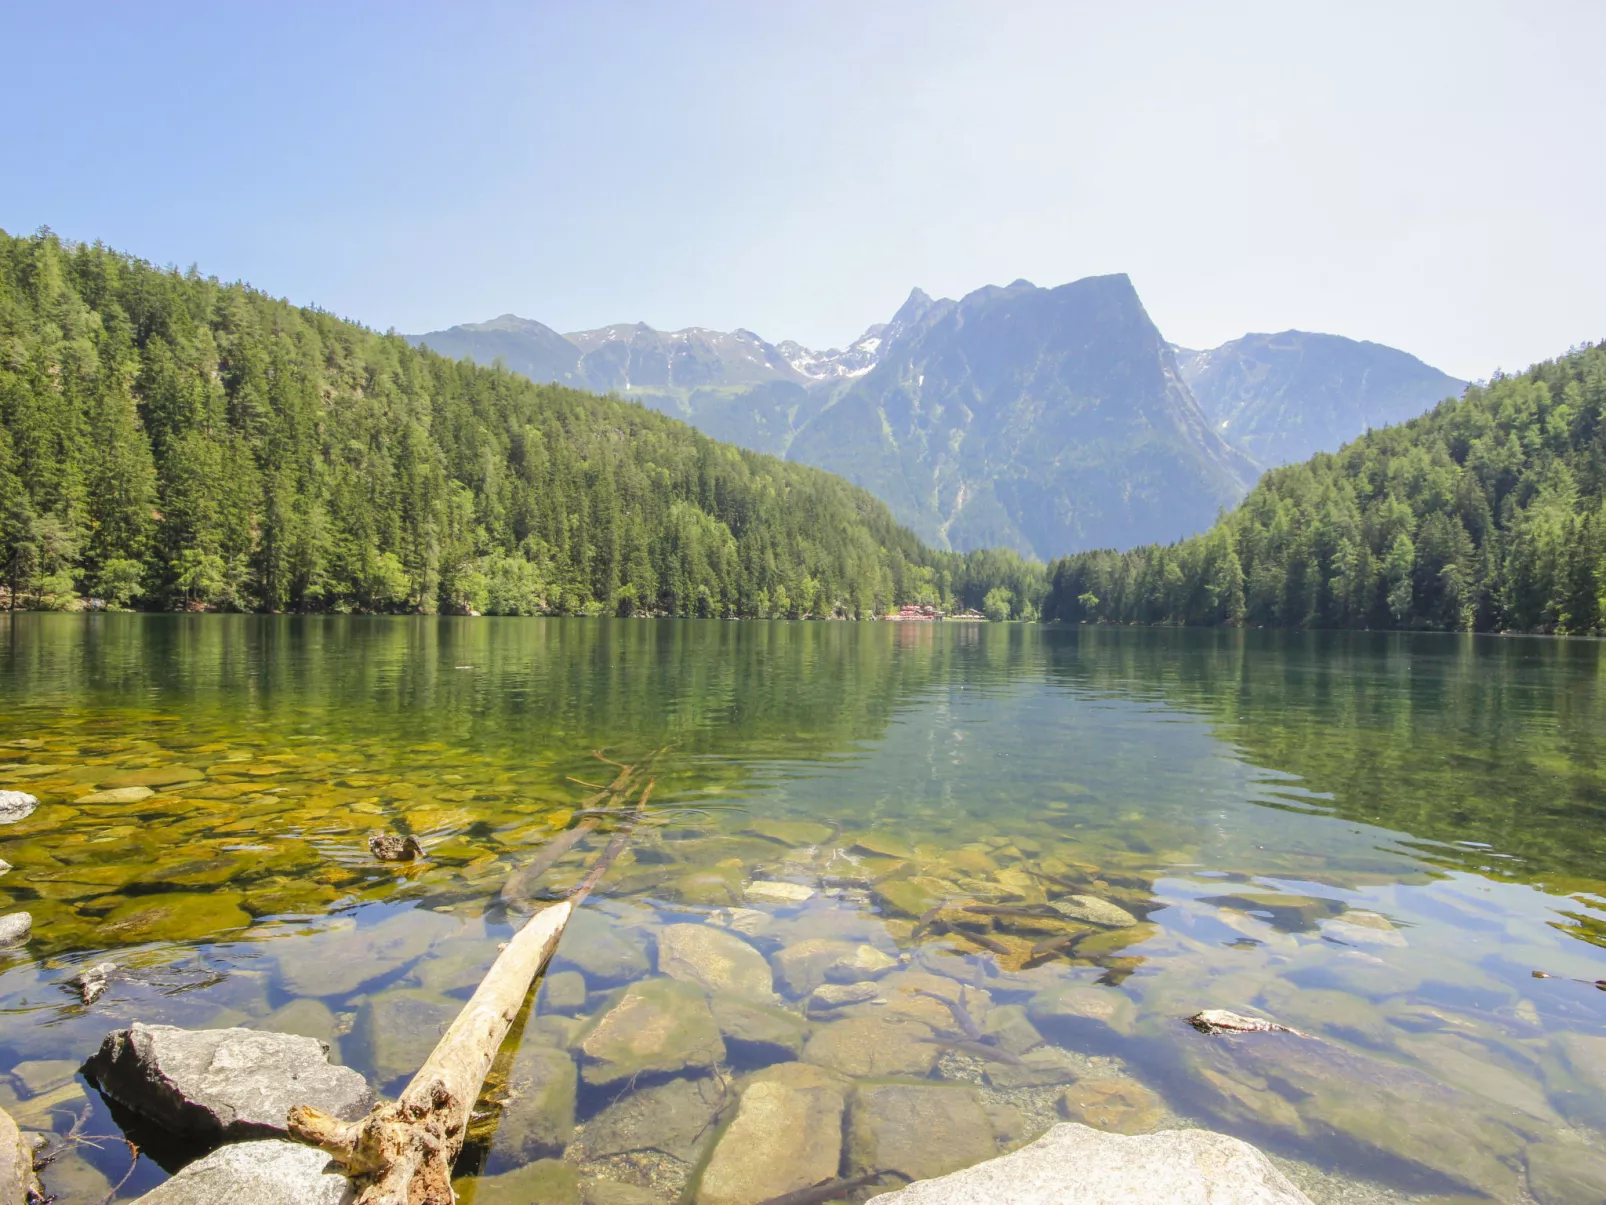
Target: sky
1427,175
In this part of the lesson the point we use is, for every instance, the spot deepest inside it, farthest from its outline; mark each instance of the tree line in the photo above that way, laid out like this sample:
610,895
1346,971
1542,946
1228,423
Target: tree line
171,441
1487,514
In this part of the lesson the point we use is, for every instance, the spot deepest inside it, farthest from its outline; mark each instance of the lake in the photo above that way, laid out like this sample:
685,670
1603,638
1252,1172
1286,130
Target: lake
957,881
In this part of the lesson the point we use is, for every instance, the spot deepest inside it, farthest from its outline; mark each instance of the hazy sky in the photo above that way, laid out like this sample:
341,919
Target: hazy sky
1426,175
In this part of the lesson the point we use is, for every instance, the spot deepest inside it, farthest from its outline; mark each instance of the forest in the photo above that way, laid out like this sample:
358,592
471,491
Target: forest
1487,514
168,441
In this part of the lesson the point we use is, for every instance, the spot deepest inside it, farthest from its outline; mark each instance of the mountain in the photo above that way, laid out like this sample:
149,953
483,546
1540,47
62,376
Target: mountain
173,441
1282,398
1045,420
1042,420
1486,514
522,345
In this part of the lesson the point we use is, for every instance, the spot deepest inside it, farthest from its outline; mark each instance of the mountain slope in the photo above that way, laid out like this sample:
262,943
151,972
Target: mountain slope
1047,420
174,441
522,345
1489,513
1285,397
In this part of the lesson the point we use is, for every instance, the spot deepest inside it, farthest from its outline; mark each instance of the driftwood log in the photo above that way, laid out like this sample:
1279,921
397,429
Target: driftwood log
402,1152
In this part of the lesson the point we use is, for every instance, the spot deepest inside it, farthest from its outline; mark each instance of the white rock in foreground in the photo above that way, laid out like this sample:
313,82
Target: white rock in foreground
1075,1165
272,1172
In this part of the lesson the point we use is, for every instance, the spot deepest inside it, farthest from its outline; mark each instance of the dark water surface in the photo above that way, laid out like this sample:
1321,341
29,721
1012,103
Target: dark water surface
1375,839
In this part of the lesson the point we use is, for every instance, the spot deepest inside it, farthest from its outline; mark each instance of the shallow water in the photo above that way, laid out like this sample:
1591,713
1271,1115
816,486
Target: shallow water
1375,839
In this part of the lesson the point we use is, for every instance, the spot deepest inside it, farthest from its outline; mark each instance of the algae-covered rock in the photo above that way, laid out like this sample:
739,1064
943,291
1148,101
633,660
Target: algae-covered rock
1114,1103
564,992
715,958
396,1030
758,1032
1075,1165
829,997
174,916
117,795
791,832
309,1018
675,1118
786,1136
544,1182
873,1046
914,896
883,844
1008,1027
1041,1067
1094,911
539,1118
917,1130
597,947
656,1025
1566,1174
155,776
778,891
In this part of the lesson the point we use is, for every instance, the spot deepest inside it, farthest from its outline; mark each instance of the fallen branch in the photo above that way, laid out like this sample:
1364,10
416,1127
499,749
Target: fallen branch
520,885
403,1152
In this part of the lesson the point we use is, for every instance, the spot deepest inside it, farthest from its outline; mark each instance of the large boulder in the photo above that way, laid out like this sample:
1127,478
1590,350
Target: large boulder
715,958
218,1084
271,1172
539,1120
873,1046
787,1135
657,1025
759,1033
1075,1165
17,1181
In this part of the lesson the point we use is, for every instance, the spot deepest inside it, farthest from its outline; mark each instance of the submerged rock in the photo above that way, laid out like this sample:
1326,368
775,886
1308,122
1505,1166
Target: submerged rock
117,795
831,996
805,965
222,1083
15,929
17,1181
759,1032
1386,1107
674,1118
175,916
873,1046
715,958
539,1116
16,805
911,897
1094,911
548,1181
1567,1174
779,891
1083,1007
564,992
599,949
1075,1165
917,1130
271,1172
787,1135
397,1030
791,832
657,1025
1116,1104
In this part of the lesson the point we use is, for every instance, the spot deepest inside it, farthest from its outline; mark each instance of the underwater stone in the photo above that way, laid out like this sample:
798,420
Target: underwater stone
174,916
397,1030
910,897
1075,1165
1094,910
549,1181
917,1131
787,1135
829,996
540,1119
15,929
873,1046
1082,1005
654,1025
156,776
309,1018
805,965
1566,1174
270,1172
791,832
674,1118
1114,1103
779,891
117,795
222,1083
15,806
344,957
564,992
715,958
759,1032
594,945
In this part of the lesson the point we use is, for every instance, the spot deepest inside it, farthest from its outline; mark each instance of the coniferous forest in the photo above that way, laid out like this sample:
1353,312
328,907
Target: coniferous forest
1487,514
169,441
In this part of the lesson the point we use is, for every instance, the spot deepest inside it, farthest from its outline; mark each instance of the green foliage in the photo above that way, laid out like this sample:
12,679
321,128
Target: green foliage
174,441
1487,514
996,605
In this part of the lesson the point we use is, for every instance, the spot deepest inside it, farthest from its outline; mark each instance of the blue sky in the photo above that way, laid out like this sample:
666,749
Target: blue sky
1426,175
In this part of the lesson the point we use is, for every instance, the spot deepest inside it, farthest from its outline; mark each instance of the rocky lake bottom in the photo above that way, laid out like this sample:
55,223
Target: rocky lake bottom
898,902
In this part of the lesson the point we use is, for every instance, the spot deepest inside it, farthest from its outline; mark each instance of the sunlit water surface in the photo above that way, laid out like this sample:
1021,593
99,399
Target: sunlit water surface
1379,840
